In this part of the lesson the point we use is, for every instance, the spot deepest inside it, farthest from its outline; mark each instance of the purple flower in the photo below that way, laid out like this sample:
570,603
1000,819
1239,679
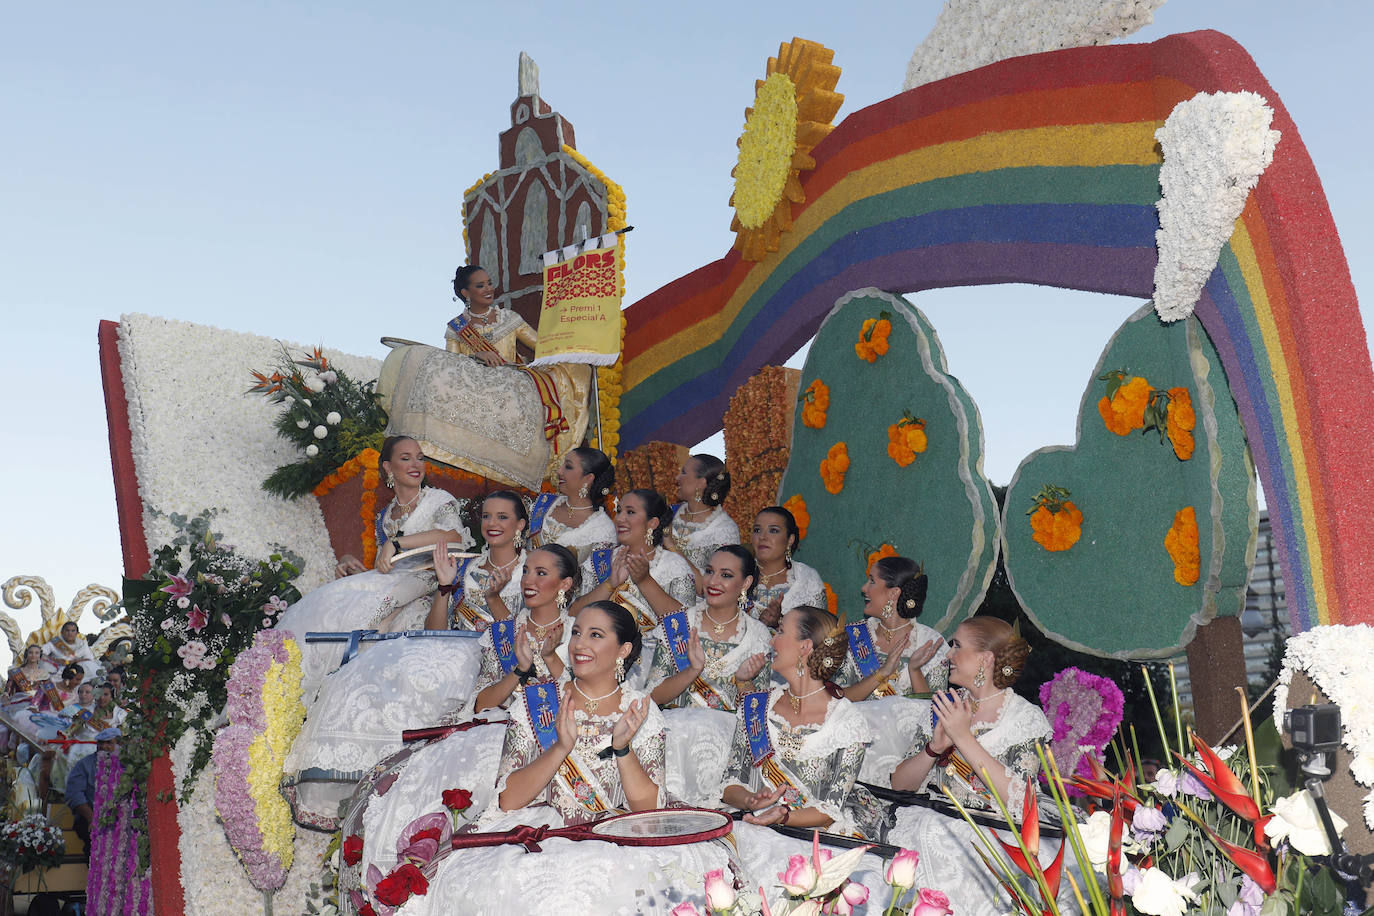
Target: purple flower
1250,901
1148,823
1189,784
1166,783
275,605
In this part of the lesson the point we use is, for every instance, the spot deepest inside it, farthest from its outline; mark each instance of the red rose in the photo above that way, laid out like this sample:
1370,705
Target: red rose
398,887
353,850
457,799
431,834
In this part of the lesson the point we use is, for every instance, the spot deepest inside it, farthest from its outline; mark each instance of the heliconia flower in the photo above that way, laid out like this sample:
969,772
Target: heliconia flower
901,871
720,893
179,587
1248,861
1222,782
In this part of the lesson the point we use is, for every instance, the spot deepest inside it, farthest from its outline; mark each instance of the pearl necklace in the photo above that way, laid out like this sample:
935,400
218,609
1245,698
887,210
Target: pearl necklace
486,317
403,509
589,703
796,700
717,627
494,566
541,630
766,579
695,513
976,702
889,629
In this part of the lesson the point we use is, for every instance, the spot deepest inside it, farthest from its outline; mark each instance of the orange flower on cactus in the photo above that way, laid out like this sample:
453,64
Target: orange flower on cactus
797,506
886,550
905,439
1181,542
1056,523
815,402
1180,423
833,467
873,336
832,601
1123,409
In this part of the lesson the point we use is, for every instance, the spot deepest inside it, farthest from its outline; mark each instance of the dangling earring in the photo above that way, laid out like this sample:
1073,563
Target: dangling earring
787,557
742,602
562,600
390,480
649,538
583,491
518,542
888,609
698,496
981,677
619,670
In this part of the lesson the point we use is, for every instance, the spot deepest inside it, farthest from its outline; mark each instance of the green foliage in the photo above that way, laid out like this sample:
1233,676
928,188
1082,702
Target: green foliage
309,403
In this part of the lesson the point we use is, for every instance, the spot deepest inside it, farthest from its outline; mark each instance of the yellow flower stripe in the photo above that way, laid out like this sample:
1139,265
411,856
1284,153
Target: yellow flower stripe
284,711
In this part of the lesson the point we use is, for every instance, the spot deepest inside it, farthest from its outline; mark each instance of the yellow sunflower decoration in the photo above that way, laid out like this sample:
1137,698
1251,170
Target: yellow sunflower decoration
792,111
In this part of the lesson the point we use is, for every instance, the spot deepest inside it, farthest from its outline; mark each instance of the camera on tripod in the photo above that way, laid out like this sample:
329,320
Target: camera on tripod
1315,731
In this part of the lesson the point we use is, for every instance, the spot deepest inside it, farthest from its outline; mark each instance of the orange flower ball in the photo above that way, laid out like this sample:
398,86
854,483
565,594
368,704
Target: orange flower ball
1126,409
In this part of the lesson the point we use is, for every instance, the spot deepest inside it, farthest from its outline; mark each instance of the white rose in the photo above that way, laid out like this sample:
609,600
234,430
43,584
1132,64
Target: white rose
315,384
321,432
302,423
289,400
312,450
306,402
333,418
1296,818
1096,834
1160,895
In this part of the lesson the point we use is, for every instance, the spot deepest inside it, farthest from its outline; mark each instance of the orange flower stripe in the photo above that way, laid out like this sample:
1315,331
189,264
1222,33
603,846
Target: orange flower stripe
833,467
815,403
905,439
1180,423
797,506
1057,531
1126,409
886,550
1182,544
832,601
873,341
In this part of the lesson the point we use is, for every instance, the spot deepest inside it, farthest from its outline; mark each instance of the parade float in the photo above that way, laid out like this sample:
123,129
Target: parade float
1168,172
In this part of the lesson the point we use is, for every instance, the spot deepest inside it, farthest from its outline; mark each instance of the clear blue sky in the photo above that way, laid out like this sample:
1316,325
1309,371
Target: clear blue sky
296,170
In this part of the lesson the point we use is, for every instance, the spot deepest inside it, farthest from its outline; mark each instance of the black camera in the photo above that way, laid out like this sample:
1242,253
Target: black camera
1315,729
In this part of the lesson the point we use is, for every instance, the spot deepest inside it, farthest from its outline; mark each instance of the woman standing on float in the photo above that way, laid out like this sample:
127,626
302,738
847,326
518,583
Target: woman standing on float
417,516
707,656
640,575
783,583
699,524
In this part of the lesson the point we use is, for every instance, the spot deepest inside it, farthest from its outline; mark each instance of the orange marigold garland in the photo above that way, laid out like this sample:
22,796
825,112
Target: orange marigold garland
906,438
885,550
758,440
1179,422
1056,523
654,466
1182,544
832,601
833,467
797,506
815,402
873,337
1123,409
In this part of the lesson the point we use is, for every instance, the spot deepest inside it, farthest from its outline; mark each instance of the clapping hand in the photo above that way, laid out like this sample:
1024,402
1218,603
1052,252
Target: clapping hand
628,725
696,655
919,659
498,580
772,613
524,648
894,656
619,570
956,715
750,667
445,569
637,565
567,722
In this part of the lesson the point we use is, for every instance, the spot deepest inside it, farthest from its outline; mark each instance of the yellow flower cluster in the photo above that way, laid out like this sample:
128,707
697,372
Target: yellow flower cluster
758,439
833,467
815,403
797,506
765,151
284,711
873,341
904,439
1182,544
609,379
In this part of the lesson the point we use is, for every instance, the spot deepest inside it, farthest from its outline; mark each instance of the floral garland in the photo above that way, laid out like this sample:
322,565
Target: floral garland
265,714
797,506
114,883
1182,544
1216,146
1085,710
1131,403
906,438
1335,658
815,402
610,380
758,440
1056,523
873,337
832,601
884,550
834,466
654,466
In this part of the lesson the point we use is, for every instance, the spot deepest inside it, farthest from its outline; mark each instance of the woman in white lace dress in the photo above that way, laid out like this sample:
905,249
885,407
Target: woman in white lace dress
894,662
576,516
397,684
784,583
797,752
646,579
699,524
983,728
371,599
707,655
537,651
580,749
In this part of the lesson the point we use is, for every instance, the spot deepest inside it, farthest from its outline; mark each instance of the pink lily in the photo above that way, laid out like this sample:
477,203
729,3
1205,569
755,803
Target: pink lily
196,619
179,587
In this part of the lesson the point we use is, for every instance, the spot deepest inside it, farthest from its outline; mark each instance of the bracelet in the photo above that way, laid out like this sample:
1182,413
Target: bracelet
611,750
941,758
786,813
524,674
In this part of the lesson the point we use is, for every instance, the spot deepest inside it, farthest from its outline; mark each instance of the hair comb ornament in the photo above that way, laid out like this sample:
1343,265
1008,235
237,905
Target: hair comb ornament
1008,671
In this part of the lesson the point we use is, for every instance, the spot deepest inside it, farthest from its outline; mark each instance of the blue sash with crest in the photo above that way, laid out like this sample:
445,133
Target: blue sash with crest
503,641
755,714
861,647
540,508
541,701
678,634
601,563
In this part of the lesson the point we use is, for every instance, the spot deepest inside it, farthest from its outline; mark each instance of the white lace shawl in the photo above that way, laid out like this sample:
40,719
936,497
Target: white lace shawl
670,571
698,540
597,530
753,638
438,509
804,587
474,589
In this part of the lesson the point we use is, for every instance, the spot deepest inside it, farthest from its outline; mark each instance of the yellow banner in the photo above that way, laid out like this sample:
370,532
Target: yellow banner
579,321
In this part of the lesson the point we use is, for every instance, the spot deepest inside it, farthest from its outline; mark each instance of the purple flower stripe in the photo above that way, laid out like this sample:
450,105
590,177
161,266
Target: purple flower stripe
114,886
